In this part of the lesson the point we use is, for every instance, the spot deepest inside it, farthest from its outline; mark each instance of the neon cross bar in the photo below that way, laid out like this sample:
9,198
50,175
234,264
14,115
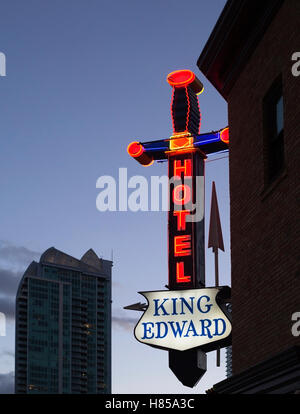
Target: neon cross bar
186,119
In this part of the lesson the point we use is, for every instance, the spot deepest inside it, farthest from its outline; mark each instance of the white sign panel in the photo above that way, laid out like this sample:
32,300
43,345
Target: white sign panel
182,319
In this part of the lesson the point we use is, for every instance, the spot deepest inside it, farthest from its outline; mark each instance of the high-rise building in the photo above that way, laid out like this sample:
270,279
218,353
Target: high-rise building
252,59
63,325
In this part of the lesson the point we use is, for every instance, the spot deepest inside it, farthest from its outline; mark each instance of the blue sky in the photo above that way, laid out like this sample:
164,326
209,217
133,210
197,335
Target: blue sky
85,78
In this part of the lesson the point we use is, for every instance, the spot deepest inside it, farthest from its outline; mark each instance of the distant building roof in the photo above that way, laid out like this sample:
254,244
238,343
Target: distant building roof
92,259
89,262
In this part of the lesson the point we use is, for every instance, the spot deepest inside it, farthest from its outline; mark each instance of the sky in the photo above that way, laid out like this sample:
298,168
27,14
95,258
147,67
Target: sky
83,80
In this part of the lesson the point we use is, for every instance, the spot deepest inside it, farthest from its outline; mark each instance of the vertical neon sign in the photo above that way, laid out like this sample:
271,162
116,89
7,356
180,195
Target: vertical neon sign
186,235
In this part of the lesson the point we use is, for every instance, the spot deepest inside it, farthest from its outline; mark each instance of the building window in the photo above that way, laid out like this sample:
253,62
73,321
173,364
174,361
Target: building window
273,113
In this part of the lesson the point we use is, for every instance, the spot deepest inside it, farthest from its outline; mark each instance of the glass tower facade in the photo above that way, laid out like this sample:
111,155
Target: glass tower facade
63,326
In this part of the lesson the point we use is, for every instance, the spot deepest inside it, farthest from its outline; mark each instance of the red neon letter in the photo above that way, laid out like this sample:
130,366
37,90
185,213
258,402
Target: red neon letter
180,277
185,196
182,245
186,168
181,214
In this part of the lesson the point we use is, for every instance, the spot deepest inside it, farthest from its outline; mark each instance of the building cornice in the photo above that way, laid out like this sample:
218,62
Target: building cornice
278,375
235,36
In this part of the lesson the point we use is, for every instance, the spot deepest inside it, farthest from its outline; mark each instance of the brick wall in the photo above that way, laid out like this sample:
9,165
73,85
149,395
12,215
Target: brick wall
265,228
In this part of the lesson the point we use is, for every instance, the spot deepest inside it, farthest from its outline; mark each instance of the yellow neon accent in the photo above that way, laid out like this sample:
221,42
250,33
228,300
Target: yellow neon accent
148,165
181,140
199,93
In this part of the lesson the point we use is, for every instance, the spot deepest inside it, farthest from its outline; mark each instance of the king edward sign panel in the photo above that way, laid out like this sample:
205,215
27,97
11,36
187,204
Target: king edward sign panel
184,319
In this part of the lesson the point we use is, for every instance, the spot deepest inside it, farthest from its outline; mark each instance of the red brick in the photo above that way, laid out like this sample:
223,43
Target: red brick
265,230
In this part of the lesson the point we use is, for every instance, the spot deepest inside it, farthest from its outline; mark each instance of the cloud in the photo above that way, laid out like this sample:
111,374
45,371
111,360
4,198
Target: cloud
9,281
13,263
7,307
8,353
16,256
7,382
124,322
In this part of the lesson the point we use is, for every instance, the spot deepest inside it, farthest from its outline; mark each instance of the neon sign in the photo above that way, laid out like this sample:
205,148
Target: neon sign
136,150
186,253
186,151
183,319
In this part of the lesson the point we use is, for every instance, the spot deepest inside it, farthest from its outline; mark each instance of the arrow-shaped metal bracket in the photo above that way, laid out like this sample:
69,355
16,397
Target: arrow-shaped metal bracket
137,306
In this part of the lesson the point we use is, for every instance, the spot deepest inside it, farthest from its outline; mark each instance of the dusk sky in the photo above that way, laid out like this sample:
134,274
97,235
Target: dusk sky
83,80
